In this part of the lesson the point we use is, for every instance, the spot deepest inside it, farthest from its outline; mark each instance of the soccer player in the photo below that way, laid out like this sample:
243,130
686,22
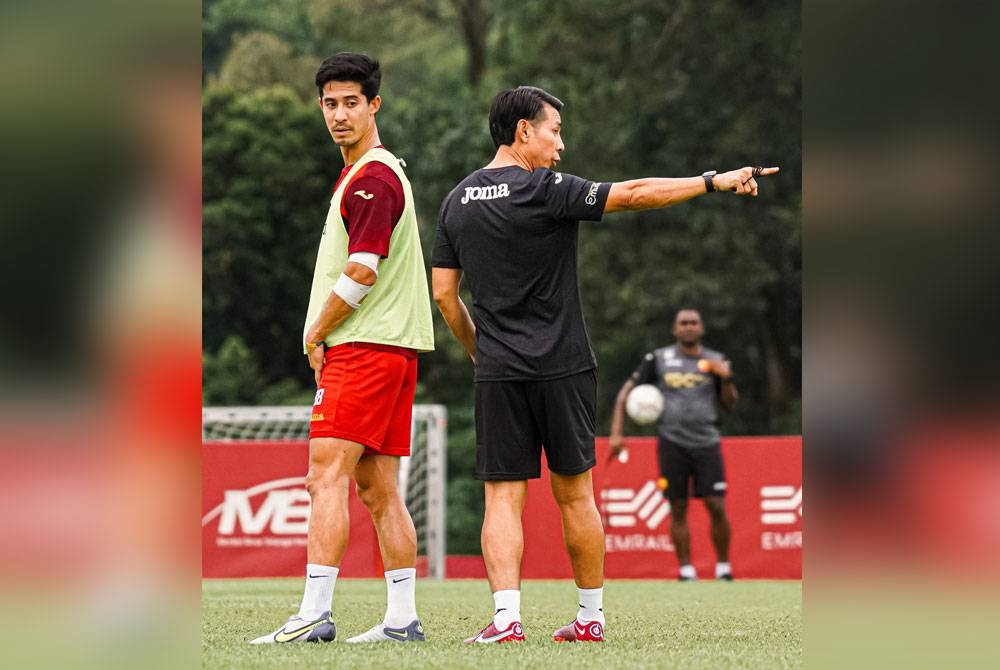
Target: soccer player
510,228
692,379
368,317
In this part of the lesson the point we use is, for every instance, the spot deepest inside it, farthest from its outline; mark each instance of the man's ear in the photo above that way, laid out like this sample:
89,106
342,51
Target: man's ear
523,131
375,104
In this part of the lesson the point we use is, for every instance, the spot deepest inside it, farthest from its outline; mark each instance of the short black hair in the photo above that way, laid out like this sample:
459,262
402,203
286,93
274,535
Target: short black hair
688,309
347,66
509,107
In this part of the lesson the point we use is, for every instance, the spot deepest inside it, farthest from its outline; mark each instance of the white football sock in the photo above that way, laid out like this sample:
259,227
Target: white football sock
687,572
318,596
591,605
722,569
508,604
401,604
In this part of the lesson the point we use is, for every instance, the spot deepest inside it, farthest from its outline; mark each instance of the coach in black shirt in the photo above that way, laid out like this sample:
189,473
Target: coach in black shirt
511,229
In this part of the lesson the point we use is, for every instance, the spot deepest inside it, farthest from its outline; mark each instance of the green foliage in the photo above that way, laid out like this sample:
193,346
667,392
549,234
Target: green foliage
287,392
231,376
408,37
260,59
466,501
224,20
268,169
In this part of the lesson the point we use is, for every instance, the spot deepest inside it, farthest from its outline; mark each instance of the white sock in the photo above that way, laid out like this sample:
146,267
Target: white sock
687,572
722,569
508,604
591,605
401,603
318,596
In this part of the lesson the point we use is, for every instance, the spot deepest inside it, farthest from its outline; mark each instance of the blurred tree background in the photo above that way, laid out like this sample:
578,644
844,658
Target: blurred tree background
652,88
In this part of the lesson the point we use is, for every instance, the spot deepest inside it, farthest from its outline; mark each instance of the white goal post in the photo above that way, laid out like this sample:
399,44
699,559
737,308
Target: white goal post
422,475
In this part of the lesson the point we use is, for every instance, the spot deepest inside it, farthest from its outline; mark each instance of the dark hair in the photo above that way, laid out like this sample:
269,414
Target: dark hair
347,66
509,107
688,309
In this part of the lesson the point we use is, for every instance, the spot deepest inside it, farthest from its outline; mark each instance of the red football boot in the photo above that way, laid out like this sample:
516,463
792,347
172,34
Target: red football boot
513,633
580,631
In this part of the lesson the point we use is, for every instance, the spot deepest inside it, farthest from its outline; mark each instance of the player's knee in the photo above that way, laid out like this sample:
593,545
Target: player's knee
678,510
321,477
576,499
716,508
313,478
374,497
367,495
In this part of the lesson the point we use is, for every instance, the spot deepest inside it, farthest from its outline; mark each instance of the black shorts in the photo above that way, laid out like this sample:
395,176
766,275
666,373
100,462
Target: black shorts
516,420
679,465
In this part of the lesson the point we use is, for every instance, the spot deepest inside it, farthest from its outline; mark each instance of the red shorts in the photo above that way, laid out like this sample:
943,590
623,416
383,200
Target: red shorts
366,396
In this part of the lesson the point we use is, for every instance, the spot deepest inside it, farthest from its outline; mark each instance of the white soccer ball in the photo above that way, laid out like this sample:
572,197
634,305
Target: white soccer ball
644,404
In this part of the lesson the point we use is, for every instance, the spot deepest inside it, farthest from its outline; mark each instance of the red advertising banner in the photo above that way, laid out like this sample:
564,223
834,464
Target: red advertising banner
763,500
255,513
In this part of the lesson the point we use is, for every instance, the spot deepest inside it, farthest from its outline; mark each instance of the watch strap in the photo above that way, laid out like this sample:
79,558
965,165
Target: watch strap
707,176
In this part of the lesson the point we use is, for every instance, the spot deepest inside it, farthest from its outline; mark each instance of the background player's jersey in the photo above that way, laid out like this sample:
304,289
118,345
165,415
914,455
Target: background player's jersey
514,234
690,396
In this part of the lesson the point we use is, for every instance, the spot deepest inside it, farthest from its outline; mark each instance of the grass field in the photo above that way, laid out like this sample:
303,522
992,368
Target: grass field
651,624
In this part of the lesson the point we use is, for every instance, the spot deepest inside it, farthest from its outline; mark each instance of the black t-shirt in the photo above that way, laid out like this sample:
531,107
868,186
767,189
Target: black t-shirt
514,234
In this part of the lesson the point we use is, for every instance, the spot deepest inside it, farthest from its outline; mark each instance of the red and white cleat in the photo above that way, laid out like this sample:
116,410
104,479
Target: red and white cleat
580,631
513,633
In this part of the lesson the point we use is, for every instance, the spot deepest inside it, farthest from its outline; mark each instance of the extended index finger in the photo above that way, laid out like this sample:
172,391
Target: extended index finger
770,170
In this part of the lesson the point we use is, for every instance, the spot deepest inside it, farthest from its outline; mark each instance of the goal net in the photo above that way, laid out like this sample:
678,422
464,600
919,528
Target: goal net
421,475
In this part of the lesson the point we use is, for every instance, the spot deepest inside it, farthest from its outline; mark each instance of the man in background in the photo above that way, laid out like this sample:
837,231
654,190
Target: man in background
693,380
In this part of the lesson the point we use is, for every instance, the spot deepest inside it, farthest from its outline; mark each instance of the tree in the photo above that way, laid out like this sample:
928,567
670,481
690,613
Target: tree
267,163
417,32
232,375
259,60
223,20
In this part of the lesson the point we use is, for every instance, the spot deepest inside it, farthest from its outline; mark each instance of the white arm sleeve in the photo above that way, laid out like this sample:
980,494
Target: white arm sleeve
369,260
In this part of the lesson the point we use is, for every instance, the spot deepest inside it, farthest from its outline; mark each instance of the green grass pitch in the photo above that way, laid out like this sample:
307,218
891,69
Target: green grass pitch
650,624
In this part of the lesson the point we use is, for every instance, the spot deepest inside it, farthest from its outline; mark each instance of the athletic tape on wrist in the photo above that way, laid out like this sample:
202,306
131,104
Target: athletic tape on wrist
350,291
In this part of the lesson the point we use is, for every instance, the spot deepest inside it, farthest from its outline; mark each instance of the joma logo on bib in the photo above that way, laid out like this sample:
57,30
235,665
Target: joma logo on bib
485,193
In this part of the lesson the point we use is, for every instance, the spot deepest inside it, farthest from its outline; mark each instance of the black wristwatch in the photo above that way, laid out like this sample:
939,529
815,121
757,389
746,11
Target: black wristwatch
707,176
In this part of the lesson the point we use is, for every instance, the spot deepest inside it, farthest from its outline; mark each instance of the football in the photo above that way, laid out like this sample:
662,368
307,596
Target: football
644,404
